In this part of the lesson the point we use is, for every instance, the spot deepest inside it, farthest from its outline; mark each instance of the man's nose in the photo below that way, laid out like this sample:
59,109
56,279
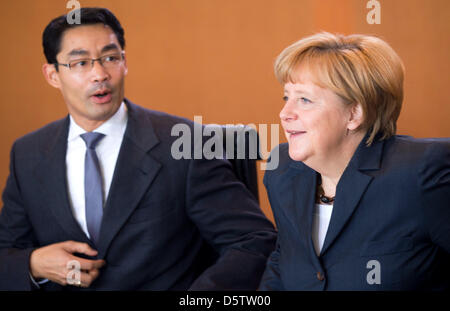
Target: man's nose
98,71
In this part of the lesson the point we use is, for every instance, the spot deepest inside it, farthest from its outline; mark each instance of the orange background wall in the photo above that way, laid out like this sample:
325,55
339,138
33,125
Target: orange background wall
214,58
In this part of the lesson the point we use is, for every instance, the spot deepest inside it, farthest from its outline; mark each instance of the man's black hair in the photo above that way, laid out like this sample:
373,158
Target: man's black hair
51,38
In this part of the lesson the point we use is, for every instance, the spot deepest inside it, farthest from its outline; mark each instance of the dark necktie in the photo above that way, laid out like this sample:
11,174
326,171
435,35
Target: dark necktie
93,190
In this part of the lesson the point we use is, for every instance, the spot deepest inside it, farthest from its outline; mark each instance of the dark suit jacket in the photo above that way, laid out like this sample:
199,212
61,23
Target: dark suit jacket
157,217
392,205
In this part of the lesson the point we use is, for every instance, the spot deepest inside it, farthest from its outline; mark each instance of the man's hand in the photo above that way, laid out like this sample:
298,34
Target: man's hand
50,262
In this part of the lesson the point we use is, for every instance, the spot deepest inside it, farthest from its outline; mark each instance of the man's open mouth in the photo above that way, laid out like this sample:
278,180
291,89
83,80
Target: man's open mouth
102,93
102,96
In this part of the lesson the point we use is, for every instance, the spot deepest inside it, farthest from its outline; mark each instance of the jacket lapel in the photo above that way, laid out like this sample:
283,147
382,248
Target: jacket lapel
351,187
135,170
51,173
300,206
306,193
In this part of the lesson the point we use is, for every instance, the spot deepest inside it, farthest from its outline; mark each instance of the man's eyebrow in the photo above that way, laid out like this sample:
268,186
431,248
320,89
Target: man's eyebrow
109,47
78,52
81,52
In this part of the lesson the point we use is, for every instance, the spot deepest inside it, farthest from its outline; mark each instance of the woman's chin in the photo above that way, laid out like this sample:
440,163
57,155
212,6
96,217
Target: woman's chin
296,155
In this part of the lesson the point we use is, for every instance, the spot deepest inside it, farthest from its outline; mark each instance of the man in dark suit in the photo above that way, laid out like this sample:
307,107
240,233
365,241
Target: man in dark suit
98,193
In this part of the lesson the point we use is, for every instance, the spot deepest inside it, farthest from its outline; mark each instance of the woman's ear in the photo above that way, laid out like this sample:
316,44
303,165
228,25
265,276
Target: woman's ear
51,75
356,117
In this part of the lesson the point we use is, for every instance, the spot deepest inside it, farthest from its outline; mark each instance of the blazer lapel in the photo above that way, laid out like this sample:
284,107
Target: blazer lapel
302,184
351,188
306,193
51,173
135,170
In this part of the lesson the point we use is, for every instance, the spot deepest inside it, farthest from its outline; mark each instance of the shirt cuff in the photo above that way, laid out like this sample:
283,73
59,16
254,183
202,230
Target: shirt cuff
39,282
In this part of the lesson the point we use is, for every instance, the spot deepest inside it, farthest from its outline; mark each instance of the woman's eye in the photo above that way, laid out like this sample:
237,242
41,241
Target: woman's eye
305,100
285,98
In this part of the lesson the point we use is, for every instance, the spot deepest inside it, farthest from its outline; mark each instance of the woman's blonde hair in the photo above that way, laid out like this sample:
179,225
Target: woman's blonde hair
358,68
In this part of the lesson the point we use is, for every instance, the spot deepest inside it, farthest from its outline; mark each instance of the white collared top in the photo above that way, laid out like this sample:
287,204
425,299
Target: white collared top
107,152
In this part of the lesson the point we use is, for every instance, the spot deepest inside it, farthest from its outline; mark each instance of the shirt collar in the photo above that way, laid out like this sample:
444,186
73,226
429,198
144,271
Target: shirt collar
114,126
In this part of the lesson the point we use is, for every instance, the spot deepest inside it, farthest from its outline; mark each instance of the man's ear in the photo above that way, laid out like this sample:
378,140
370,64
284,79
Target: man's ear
356,117
51,75
125,63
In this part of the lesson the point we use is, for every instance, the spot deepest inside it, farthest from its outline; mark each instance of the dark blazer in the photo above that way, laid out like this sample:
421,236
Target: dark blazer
159,216
392,205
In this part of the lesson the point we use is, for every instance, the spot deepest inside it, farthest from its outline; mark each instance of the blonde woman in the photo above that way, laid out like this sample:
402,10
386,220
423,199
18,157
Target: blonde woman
357,207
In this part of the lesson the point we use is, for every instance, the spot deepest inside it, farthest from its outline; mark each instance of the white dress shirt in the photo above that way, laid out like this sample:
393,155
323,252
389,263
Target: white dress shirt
322,216
107,151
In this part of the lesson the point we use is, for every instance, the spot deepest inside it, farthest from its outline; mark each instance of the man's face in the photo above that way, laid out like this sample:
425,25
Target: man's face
92,94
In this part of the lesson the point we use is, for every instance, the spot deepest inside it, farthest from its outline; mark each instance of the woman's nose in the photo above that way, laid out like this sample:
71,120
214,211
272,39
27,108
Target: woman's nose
288,112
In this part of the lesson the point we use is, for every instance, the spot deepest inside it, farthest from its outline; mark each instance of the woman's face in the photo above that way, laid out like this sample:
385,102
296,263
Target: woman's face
315,121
